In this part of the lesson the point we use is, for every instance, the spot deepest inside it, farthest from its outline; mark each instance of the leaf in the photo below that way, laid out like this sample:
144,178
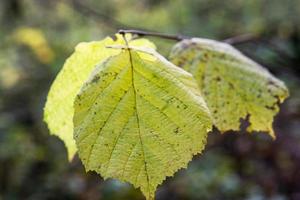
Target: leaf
58,111
139,119
233,86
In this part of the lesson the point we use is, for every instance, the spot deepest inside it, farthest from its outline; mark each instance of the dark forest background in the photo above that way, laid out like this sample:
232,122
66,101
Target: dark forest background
36,36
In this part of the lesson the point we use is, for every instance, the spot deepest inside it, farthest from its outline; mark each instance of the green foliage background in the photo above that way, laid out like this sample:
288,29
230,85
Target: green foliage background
36,36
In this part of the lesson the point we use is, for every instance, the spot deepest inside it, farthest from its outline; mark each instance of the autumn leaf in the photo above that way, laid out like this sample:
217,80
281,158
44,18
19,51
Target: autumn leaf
233,86
139,119
58,111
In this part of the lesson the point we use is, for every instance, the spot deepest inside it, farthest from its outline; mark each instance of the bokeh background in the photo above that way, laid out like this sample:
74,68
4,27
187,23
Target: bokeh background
36,36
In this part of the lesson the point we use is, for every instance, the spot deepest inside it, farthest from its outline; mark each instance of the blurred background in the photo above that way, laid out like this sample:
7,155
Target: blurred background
36,36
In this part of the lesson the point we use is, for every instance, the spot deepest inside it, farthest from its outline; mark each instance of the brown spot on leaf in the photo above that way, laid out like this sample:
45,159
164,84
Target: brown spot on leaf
176,130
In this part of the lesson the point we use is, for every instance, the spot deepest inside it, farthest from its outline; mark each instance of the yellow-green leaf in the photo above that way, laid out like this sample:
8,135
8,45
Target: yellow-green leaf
233,86
58,111
139,119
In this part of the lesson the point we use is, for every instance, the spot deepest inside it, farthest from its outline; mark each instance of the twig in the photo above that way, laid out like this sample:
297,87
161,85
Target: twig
234,40
154,34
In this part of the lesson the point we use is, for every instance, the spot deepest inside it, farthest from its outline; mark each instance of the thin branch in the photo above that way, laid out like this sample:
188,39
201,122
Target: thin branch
234,40
155,34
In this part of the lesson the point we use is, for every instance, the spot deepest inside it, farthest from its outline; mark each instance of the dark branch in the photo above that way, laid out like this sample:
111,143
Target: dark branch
154,34
234,40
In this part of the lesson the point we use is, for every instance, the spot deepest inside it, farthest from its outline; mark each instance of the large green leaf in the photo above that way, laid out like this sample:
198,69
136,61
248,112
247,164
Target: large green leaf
233,86
58,111
139,119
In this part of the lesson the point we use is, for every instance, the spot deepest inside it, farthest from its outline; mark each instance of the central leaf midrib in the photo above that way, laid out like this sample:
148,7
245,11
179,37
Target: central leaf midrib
137,118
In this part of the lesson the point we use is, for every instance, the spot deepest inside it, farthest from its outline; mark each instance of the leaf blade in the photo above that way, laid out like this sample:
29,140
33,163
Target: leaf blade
58,111
234,86
137,128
